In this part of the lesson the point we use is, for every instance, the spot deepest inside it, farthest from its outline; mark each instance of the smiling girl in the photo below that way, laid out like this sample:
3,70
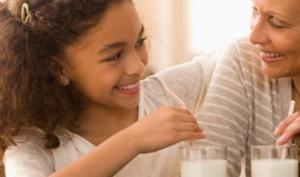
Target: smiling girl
72,100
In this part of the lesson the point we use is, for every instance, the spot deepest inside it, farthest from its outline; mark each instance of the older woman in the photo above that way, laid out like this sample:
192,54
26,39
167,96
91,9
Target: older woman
253,83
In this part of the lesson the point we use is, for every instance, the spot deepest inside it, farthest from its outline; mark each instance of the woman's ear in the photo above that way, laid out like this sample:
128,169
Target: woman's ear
58,69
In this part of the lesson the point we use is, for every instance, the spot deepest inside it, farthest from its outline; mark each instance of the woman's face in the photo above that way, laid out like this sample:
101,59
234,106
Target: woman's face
106,65
275,27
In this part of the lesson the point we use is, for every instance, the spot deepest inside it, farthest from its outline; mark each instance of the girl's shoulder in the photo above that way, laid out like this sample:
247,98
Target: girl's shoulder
30,153
29,136
28,156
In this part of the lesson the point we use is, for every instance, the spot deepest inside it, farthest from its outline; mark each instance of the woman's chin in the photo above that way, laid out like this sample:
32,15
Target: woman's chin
272,72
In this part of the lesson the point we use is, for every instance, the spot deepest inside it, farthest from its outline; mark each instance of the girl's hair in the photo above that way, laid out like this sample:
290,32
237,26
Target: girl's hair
30,92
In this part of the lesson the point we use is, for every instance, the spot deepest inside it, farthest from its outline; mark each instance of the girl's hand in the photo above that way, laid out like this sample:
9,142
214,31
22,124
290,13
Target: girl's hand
163,128
289,128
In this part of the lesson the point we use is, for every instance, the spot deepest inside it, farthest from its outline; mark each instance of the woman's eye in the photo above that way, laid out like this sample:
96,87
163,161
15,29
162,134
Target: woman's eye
140,42
115,58
276,23
254,11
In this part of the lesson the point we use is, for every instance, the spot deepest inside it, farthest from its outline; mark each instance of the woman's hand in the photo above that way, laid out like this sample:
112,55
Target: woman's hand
163,128
288,129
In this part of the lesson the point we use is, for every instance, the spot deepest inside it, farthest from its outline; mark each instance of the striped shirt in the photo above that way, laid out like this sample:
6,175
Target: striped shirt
242,106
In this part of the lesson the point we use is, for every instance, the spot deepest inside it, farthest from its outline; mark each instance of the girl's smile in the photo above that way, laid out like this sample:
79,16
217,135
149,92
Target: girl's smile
129,89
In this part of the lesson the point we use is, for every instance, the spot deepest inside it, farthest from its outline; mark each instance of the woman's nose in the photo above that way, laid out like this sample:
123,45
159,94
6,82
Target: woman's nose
259,31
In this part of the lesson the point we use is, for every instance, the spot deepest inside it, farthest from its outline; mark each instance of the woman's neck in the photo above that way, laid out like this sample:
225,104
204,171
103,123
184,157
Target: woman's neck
296,92
97,124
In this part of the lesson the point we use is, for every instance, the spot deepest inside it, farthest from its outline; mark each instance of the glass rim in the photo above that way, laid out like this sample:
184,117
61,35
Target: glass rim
204,146
271,146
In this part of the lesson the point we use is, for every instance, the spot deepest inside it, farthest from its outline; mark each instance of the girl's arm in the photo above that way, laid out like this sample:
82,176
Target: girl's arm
160,129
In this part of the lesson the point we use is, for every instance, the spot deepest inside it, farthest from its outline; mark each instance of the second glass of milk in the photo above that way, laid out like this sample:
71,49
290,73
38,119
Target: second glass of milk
274,161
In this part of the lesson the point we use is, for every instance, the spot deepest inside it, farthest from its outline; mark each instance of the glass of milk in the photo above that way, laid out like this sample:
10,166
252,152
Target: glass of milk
274,161
203,161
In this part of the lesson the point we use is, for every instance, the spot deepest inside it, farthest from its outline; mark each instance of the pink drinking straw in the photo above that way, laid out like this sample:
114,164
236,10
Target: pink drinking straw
284,152
181,103
292,107
173,95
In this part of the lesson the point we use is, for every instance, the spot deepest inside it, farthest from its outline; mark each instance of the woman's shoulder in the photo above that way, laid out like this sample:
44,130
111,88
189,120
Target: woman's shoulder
180,74
241,49
239,57
184,80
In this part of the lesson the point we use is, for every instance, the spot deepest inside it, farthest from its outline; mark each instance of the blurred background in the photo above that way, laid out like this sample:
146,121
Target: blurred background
181,29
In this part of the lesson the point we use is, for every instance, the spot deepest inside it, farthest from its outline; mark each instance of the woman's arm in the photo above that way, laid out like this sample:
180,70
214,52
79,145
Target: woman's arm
224,114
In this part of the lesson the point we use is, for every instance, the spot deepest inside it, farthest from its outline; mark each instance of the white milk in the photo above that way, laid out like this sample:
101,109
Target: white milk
274,168
204,168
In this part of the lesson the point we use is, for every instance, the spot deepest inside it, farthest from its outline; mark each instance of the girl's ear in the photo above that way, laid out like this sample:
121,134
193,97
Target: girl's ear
64,80
58,69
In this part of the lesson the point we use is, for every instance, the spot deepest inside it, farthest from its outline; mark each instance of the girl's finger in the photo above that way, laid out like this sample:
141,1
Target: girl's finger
182,110
189,119
191,127
190,136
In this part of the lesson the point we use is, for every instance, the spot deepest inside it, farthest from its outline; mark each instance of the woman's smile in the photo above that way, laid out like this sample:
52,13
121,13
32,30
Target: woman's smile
271,57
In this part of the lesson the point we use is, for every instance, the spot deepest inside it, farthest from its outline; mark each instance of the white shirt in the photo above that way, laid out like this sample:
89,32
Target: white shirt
30,159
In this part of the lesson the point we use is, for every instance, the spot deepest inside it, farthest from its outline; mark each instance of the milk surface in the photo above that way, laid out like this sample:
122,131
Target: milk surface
274,168
204,168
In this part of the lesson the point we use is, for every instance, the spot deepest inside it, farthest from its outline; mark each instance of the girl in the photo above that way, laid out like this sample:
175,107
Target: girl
72,103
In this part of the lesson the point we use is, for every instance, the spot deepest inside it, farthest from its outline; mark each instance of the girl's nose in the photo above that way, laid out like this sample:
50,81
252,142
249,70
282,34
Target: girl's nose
135,65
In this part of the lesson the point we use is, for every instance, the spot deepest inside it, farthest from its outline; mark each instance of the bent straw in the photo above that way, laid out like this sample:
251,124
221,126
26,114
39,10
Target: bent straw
292,107
291,110
173,95
181,103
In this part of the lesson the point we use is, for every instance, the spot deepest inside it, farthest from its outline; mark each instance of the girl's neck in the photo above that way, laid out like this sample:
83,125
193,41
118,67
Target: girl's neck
96,125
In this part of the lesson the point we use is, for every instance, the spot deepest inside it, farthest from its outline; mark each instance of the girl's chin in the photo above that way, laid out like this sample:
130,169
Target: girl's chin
131,103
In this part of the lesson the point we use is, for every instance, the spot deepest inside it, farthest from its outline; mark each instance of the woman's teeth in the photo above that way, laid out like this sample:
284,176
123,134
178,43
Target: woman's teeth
271,55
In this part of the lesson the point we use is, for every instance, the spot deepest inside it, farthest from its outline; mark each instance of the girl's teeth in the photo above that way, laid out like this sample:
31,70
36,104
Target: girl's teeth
128,87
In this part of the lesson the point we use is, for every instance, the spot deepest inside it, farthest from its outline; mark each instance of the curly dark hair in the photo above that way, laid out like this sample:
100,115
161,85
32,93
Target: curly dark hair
30,92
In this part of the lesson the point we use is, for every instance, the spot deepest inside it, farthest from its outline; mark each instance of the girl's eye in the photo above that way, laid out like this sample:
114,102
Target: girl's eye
115,58
276,23
140,42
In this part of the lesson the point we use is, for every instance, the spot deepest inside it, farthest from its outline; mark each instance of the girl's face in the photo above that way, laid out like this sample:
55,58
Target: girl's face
275,29
106,65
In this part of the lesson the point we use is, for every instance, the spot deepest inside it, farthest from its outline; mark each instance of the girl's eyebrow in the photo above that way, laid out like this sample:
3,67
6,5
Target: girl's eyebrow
119,44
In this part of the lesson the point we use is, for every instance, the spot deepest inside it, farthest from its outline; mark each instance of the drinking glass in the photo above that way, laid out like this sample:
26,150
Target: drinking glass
274,161
203,161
